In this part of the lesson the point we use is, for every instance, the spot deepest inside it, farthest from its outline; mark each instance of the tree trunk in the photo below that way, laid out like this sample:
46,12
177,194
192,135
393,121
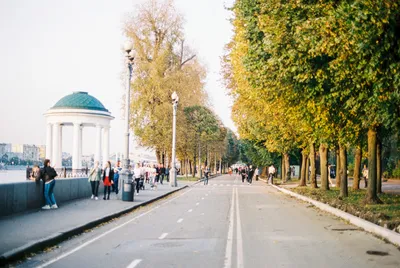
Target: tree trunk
220,166
307,169
357,168
199,168
343,172
337,167
303,169
283,171
313,175
372,196
379,166
158,156
287,166
323,153
215,163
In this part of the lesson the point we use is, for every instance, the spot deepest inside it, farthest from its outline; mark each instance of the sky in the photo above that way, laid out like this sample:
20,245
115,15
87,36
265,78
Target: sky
51,48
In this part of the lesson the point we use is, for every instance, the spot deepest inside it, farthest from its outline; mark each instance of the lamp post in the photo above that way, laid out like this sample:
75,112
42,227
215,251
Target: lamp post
130,55
175,100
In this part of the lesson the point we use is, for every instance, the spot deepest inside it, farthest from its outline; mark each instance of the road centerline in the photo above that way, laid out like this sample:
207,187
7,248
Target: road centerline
180,220
134,263
164,235
229,240
239,239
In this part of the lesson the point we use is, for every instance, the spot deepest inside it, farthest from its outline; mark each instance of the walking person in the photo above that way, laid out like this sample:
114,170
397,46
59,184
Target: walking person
250,174
153,181
271,174
116,180
48,175
157,177
258,173
137,171
243,173
94,179
108,175
206,175
167,173
365,175
162,173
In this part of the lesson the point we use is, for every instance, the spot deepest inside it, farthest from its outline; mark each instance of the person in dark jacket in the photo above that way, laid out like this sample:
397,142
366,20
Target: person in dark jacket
243,173
48,175
162,173
250,174
108,176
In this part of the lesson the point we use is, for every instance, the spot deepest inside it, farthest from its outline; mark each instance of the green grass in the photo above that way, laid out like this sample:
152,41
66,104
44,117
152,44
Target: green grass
386,214
188,178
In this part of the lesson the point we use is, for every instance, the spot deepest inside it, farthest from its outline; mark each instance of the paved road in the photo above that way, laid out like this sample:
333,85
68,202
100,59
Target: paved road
224,224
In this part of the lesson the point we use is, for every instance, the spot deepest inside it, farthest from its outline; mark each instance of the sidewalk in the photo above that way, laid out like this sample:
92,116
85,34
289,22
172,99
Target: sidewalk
29,232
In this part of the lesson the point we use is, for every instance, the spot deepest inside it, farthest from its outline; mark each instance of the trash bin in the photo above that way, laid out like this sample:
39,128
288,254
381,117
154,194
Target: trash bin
128,188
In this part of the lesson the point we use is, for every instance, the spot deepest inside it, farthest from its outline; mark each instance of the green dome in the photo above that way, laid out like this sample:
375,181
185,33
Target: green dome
80,100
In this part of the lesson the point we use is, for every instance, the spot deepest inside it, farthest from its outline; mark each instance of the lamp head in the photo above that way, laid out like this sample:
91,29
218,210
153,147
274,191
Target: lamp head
128,46
174,97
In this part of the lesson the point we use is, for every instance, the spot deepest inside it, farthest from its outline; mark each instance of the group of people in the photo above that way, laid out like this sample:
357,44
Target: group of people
109,176
141,174
248,173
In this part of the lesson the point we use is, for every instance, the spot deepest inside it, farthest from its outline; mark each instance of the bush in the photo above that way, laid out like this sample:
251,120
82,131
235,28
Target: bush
396,172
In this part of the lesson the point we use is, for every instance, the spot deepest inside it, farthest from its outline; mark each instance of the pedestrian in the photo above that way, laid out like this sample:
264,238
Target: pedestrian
49,174
162,173
157,176
330,173
167,173
116,180
108,175
257,173
365,175
206,175
28,172
153,181
243,173
36,174
250,174
137,171
94,179
271,174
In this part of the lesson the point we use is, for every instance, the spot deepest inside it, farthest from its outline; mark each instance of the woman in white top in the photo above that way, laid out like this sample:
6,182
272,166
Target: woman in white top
108,175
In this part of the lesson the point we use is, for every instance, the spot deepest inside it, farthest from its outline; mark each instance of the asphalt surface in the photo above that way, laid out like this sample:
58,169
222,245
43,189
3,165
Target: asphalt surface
225,224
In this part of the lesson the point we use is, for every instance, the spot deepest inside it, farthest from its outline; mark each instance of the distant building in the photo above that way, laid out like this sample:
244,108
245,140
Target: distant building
42,151
17,148
5,148
30,152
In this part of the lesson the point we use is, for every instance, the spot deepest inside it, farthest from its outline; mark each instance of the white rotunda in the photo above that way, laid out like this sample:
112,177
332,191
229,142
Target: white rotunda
79,110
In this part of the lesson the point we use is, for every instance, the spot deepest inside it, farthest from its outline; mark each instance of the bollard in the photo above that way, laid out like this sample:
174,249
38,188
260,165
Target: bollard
128,189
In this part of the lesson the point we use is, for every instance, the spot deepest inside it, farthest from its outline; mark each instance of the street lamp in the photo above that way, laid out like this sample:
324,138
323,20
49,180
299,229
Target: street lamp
175,100
130,56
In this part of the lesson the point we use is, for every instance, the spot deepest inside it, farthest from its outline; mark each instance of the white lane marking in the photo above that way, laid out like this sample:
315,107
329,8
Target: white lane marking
62,256
239,240
197,204
180,220
134,263
190,210
229,240
202,198
164,235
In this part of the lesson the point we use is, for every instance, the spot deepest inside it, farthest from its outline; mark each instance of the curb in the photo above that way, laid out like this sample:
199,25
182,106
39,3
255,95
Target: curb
53,239
387,234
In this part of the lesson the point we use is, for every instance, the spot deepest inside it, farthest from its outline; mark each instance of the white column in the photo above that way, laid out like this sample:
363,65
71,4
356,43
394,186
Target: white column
80,148
56,153
49,141
106,144
97,154
59,163
75,147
